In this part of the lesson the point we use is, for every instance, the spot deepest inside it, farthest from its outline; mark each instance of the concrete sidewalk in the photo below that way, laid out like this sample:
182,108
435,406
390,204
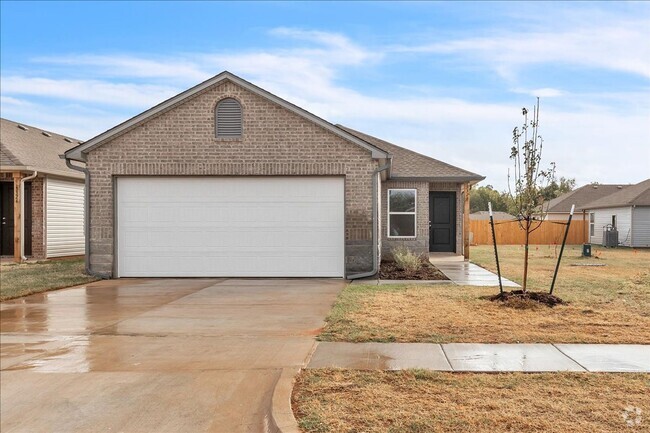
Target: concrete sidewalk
471,357
468,274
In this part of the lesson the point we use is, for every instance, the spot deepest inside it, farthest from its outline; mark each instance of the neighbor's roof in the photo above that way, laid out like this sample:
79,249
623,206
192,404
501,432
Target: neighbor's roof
408,164
581,196
26,148
485,215
78,153
633,195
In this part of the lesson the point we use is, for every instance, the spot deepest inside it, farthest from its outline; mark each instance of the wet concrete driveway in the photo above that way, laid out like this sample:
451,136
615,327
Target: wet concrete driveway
155,355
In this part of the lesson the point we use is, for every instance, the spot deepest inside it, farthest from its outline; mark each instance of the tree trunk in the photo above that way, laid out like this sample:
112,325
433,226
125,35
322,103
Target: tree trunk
526,255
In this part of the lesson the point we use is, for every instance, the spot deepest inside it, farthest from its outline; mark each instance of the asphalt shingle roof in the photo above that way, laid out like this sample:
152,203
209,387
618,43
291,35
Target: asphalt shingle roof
34,148
412,165
632,195
583,195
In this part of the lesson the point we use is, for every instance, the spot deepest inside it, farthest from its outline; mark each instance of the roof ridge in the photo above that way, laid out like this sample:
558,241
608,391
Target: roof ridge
354,132
36,128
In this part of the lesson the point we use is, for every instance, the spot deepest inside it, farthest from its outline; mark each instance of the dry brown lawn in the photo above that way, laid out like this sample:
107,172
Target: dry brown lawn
609,304
341,401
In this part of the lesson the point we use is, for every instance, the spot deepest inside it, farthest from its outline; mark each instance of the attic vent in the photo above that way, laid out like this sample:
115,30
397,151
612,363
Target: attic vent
23,127
46,134
67,139
229,118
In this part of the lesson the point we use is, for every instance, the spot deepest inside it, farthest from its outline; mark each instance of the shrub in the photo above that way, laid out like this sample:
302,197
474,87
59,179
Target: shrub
406,259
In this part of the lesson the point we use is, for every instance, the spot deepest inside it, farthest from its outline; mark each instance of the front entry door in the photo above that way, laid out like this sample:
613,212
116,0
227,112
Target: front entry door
442,221
6,218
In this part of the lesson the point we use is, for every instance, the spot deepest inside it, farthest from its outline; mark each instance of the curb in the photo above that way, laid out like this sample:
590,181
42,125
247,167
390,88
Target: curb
281,412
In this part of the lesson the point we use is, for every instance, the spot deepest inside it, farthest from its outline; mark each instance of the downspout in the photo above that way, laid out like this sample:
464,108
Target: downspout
86,173
375,216
22,213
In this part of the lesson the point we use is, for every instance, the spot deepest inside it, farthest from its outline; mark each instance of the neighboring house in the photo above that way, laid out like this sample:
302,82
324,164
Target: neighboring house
42,200
560,207
628,210
226,179
485,215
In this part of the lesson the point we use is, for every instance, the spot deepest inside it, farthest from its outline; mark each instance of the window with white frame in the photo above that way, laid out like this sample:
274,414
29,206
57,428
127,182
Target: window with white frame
592,224
402,207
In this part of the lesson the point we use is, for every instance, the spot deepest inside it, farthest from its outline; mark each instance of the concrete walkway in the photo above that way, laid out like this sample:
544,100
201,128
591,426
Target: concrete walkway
470,357
466,273
158,355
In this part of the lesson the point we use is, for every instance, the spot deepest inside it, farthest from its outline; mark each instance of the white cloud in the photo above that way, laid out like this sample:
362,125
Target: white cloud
615,46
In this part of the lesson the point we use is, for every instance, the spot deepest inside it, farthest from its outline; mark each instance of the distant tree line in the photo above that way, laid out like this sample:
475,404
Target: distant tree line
503,202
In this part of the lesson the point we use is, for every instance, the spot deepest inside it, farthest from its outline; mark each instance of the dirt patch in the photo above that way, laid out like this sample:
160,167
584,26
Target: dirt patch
390,271
528,299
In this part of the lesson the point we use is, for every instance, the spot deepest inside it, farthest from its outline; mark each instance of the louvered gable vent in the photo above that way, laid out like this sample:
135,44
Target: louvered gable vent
229,121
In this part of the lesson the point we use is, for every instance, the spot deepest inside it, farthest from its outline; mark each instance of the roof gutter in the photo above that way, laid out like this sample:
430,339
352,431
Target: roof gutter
375,217
22,213
86,173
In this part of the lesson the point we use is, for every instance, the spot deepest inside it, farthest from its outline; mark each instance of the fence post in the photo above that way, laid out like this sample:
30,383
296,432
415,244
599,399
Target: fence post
566,233
496,253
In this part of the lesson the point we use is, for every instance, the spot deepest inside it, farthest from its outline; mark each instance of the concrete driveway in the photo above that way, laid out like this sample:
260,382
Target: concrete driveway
155,355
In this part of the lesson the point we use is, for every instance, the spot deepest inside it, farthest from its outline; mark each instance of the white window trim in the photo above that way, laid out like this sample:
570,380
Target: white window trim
592,224
414,213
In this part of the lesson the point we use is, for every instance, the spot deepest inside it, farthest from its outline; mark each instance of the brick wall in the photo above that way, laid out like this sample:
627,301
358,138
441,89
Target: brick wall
38,222
420,243
275,141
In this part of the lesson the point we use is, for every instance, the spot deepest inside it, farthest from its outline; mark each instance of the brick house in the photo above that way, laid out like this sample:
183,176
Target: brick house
41,199
227,179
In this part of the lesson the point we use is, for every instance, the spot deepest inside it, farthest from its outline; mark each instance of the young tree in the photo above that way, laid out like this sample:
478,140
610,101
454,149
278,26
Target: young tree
528,180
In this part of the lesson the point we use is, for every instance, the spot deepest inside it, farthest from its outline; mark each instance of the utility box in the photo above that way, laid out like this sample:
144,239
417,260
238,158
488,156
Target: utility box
610,236
586,250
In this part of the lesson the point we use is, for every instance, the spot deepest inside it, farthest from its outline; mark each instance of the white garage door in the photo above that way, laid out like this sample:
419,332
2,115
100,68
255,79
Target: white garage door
230,226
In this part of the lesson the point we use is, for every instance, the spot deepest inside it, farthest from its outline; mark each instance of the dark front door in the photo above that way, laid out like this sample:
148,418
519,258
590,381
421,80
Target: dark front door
442,221
6,218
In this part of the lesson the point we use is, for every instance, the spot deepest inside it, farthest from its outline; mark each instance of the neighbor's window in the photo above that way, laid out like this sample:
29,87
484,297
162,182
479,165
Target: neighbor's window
228,118
592,224
401,212
614,221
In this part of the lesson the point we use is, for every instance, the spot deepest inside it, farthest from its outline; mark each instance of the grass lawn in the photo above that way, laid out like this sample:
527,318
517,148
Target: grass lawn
340,401
609,304
27,278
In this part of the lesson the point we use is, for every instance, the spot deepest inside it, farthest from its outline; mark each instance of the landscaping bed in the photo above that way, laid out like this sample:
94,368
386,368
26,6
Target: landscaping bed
414,401
391,271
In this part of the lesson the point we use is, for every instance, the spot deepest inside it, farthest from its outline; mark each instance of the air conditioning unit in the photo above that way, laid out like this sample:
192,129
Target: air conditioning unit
610,236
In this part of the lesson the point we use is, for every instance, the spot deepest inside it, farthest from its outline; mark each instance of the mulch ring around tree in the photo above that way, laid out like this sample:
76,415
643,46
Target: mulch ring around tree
527,299
390,271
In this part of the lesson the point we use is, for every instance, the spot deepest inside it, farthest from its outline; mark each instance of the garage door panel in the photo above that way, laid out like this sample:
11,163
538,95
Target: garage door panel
239,226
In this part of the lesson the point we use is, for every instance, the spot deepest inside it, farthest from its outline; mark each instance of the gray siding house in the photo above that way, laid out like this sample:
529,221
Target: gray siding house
628,210
227,179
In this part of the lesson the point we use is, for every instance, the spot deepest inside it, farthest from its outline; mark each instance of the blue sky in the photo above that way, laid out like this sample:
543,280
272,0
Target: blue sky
445,79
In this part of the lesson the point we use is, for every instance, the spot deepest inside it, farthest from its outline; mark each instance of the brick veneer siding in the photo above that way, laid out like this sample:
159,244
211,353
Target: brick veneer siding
181,141
38,218
418,244
458,189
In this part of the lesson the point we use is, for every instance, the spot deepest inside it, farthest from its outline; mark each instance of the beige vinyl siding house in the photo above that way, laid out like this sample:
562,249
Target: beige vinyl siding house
42,199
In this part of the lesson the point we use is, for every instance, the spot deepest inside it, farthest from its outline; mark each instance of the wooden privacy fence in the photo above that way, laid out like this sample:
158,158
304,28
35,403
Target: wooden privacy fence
509,233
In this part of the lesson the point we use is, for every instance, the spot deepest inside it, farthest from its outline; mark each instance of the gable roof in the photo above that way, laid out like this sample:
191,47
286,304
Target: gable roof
78,153
632,195
581,196
27,148
408,164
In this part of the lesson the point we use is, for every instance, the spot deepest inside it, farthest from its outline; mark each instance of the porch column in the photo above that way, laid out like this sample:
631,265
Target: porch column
17,217
466,222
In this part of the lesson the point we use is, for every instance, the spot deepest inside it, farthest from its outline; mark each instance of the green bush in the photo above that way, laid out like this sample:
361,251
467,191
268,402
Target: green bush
406,259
